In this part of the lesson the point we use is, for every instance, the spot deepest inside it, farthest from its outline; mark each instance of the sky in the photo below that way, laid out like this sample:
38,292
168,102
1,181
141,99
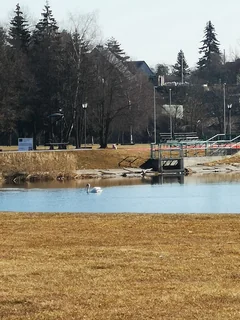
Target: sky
153,31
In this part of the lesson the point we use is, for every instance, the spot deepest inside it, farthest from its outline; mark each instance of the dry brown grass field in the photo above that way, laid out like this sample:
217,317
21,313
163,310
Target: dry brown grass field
119,266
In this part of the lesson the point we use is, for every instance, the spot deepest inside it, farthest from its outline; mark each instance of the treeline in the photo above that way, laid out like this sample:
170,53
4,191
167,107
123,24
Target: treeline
49,76
211,67
47,72
210,93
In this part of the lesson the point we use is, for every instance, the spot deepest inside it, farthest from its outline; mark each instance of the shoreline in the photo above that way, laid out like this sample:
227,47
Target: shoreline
85,164
84,174
134,172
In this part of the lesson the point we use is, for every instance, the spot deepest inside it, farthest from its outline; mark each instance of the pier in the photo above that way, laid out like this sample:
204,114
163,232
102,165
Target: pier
166,161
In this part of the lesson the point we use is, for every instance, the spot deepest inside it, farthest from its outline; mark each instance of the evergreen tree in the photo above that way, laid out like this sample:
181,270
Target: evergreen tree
22,82
114,47
181,69
79,45
19,35
46,66
8,94
46,53
162,70
211,60
2,37
47,27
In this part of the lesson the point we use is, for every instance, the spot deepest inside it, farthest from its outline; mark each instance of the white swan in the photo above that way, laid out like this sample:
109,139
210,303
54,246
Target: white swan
94,189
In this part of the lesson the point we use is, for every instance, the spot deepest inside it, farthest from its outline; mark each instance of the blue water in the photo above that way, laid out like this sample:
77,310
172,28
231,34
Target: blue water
218,197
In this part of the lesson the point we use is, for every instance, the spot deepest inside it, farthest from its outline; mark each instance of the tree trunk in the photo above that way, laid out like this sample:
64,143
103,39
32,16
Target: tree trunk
34,135
77,132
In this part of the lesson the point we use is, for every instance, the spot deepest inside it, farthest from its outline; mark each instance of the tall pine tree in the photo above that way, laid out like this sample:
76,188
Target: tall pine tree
114,47
8,92
19,35
2,37
47,27
46,65
22,82
210,63
46,58
181,68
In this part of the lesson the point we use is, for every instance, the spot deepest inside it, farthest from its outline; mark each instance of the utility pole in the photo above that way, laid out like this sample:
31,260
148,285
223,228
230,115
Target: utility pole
154,115
182,67
85,105
224,108
170,112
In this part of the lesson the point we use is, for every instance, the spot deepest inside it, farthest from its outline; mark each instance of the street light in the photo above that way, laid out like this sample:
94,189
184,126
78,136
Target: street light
131,126
154,115
170,112
182,67
85,105
199,123
230,125
224,108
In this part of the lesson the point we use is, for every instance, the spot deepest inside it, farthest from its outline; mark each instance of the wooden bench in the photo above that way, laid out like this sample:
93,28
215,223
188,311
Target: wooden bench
186,136
60,145
164,137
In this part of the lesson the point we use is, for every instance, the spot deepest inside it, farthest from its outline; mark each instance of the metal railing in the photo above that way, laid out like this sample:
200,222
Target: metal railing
216,135
209,147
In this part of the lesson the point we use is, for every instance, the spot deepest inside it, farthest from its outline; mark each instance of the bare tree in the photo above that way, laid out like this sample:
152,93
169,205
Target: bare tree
110,99
195,109
82,41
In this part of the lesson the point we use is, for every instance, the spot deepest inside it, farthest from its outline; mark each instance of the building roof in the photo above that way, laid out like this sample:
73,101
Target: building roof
142,66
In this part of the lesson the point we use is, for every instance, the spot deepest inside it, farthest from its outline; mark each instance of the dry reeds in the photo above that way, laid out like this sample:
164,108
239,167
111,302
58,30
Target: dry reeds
63,164
41,164
135,267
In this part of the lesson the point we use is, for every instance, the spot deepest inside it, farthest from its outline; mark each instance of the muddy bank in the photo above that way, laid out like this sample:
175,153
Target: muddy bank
20,177
68,169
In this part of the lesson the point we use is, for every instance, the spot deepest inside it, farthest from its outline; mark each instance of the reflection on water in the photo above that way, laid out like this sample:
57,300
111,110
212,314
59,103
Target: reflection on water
105,182
128,181
213,178
166,179
209,193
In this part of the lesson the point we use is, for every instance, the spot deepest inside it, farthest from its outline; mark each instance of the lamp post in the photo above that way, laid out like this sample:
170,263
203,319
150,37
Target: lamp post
224,108
230,125
199,123
131,126
61,120
85,105
154,115
182,67
170,112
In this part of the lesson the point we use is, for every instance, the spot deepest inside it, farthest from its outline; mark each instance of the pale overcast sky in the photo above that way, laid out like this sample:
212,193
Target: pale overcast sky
154,31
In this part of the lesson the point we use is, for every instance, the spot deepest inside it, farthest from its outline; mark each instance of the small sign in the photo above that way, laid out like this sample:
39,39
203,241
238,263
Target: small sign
25,144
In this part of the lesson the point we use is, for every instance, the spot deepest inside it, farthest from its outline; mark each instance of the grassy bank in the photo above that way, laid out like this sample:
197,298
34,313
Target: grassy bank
119,266
45,164
53,164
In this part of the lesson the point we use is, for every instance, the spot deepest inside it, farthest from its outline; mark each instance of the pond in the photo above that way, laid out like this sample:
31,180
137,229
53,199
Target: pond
212,193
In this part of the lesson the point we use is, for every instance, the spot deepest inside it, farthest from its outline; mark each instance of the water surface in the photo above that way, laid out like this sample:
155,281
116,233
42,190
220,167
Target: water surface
196,194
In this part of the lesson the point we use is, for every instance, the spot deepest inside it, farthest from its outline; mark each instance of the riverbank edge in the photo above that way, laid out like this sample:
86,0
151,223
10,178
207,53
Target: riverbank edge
192,165
197,169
